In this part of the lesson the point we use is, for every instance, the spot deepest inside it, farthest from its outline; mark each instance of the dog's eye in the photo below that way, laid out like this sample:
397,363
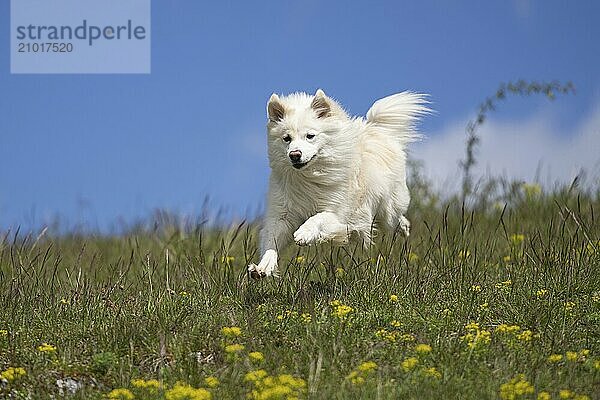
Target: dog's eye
310,135
287,138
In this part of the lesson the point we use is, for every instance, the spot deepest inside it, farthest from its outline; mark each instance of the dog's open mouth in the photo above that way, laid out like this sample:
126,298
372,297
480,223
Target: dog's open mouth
300,165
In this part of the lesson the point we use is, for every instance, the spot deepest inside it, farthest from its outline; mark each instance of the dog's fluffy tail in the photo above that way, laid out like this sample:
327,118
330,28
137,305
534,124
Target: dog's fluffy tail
397,114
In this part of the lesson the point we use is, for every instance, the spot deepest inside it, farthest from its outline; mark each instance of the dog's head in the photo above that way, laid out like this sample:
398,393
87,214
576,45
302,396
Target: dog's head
299,127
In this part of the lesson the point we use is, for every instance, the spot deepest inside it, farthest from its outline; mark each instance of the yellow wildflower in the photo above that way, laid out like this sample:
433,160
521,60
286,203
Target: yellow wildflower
504,328
389,336
186,392
300,259
359,375
432,372
120,394
541,293
3,332
256,356
255,376
565,394
340,310
46,348
506,259
571,356
409,364
367,366
475,288
227,259
525,336
423,348
554,358
12,373
152,385
393,298
396,323
306,318
516,388
583,353
544,396
231,331
211,382
516,239
339,272
569,305
234,348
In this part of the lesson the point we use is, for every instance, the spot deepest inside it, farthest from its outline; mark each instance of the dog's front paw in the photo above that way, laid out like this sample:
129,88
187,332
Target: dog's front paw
307,234
266,267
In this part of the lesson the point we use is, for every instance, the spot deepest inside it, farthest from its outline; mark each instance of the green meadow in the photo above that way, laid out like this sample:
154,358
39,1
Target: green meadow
496,299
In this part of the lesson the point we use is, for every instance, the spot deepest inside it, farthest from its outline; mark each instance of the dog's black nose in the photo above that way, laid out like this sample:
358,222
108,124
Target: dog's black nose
295,155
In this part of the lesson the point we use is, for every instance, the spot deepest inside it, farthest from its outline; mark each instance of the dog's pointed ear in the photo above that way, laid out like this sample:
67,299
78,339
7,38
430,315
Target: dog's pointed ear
321,104
275,109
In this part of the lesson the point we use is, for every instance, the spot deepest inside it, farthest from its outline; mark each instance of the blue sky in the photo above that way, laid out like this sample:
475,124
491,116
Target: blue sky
96,149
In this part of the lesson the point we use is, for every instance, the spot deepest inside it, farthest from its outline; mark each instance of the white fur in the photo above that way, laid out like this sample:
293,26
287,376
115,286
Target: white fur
354,176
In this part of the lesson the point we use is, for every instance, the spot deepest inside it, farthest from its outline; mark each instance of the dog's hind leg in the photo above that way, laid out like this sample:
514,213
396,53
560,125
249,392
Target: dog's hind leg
404,225
322,227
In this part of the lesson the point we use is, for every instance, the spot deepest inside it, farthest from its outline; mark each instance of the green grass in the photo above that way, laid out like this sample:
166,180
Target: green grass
152,304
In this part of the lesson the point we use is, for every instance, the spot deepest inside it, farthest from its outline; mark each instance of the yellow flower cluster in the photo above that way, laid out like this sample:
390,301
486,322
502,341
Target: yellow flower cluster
476,337
572,356
516,388
120,394
234,348
3,332
516,239
340,310
569,394
231,331
476,288
541,293
504,328
183,391
12,373
423,348
266,387
393,298
151,385
211,382
46,348
306,318
256,356
361,373
409,363
394,336
432,372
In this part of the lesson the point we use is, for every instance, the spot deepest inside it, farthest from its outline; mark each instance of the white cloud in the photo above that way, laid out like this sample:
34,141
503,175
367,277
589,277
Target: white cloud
527,149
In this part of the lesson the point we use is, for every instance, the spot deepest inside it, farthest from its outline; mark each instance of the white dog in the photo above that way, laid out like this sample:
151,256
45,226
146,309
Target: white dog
332,174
